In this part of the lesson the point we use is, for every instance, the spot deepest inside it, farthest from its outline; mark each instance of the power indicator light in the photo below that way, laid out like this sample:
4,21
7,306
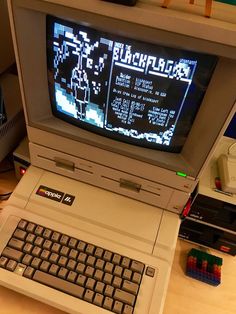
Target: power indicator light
22,171
181,174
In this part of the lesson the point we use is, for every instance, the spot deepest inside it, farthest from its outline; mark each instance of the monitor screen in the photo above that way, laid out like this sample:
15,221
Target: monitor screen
231,129
125,89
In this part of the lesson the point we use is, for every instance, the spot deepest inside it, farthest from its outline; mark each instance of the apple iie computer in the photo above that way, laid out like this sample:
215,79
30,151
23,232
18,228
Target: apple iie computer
124,107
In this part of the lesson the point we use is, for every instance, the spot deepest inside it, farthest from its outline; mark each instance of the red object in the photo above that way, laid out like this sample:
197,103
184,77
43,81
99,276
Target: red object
218,183
22,171
225,248
186,208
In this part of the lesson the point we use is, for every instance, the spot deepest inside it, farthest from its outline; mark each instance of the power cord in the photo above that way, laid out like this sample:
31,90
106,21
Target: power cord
5,196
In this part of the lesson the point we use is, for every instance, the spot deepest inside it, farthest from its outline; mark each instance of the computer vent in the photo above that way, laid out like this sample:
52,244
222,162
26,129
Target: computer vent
5,128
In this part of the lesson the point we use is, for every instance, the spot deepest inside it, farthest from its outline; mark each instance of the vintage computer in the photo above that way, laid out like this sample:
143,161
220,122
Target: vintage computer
124,106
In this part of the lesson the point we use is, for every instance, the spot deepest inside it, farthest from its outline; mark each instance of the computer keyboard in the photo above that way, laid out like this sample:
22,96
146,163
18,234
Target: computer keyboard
78,268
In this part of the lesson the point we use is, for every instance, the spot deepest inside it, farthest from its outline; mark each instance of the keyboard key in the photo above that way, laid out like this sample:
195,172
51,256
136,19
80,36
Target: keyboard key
12,254
91,260
62,261
90,249
108,302
11,265
90,283
47,244
30,238
124,297
20,268
127,309
3,261
36,251
16,244
98,274
116,259
137,267
100,286
71,264
108,278
56,247
98,252
22,224
81,279
109,291
118,271
89,271
55,236
108,267
30,227
82,257
117,281
117,308
27,259
73,254
28,248
53,258
150,271
125,262
39,230
53,269
47,233
36,262
64,251
64,239
60,284
98,299
45,266
63,273
72,276
29,272
136,278
130,287
107,256
20,234
127,274
89,295
80,268
72,243
100,264
81,246
45,255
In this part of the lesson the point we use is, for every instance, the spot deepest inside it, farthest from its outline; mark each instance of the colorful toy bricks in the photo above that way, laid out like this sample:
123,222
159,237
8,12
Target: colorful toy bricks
204,267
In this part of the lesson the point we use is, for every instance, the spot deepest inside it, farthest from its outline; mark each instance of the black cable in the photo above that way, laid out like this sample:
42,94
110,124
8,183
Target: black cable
5,196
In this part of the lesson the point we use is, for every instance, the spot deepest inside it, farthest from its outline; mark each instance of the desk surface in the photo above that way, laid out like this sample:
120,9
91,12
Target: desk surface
184,296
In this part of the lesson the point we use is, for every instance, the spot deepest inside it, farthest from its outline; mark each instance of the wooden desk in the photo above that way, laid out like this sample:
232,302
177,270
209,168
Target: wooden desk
184,296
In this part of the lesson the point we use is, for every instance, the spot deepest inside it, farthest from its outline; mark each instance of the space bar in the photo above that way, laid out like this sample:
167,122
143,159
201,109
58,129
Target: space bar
59,284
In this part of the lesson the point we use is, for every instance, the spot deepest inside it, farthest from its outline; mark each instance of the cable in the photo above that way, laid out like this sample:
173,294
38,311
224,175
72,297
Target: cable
5,196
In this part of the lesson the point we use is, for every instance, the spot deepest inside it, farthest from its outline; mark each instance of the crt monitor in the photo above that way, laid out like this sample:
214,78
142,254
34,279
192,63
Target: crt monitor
129,90
135,93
